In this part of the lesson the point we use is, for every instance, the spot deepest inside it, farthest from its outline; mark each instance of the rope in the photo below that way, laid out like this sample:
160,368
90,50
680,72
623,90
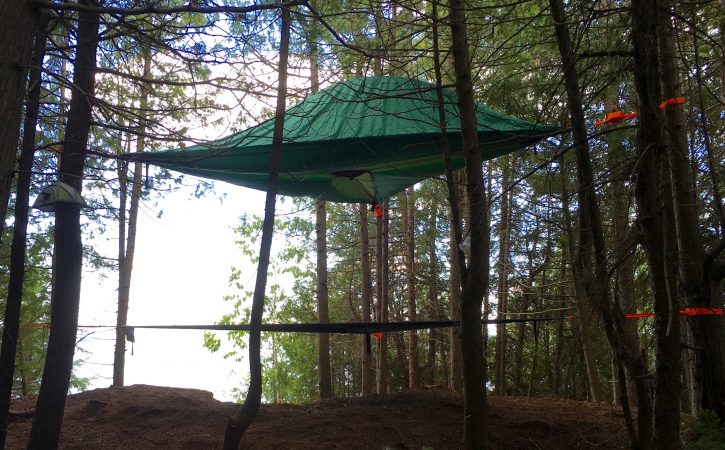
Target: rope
342,327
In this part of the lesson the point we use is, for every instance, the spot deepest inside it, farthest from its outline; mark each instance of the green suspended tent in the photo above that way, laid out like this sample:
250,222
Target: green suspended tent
361,140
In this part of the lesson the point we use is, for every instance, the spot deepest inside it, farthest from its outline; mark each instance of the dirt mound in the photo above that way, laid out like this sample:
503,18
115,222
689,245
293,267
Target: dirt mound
150,417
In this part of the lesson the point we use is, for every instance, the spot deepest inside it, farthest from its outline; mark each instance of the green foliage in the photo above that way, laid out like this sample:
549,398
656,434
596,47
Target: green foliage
707,433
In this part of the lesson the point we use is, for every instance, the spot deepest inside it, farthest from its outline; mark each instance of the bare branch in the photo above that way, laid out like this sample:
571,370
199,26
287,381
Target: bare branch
153,9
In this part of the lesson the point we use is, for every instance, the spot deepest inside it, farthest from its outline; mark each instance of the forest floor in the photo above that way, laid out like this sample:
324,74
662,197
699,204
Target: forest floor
150,417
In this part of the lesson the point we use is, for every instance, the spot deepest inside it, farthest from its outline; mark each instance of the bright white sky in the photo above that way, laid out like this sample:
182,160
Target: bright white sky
180,276
181,269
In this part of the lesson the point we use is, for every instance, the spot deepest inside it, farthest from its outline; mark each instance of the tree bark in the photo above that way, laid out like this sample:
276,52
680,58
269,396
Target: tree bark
504,233
367,375
382,294
413,364
18,246
127,240
17,20
323,339
243,418
458,261
694,275
68,254
476,279
656,219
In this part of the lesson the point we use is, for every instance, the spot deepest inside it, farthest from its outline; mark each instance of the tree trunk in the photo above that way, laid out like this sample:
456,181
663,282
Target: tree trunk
127,243
475,282
68,252
243,418
693,276
456,360
434,335
656,218
591,236
367,375
382,293
584,308
323,339
17,20
518,357
504,233
458,262
413,365
18,247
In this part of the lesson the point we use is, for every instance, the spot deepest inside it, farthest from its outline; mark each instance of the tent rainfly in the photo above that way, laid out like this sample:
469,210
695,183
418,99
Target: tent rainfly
361,140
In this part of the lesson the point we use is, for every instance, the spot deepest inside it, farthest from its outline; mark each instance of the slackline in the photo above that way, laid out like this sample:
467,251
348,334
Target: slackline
342,327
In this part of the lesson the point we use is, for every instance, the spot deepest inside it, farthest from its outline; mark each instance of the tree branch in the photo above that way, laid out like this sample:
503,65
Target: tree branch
153,9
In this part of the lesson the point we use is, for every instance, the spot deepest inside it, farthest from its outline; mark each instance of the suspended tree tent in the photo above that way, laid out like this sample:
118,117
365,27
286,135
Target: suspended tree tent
361,140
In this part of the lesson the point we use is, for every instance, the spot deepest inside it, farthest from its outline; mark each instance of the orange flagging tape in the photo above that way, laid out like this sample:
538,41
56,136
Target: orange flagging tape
616,117
672,101
639,315
378,211
377,335
693,311
701,311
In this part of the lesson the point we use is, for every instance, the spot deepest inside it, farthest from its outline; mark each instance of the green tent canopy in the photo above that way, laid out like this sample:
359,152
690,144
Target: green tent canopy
361,140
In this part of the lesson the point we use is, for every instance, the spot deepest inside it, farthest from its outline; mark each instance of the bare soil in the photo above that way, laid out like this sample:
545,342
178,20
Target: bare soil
150,417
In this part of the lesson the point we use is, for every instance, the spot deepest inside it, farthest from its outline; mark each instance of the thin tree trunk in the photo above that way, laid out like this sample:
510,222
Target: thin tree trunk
17,20
382,294
503,270
583,302
413,364
559,336
18,247
243,418
475,282
534,360
125,260
367,375
433,335
519,356
68,252
323,339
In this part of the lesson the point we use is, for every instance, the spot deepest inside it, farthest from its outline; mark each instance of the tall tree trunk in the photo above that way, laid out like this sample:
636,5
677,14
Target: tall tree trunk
68,252
624,282
11,320
504,234
656,218
475,282
584,307
458,261
591,237
382,294
323,339
367,375
519,357
695,275
433,335
18,19
559,336
413,365
127,242
243,418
